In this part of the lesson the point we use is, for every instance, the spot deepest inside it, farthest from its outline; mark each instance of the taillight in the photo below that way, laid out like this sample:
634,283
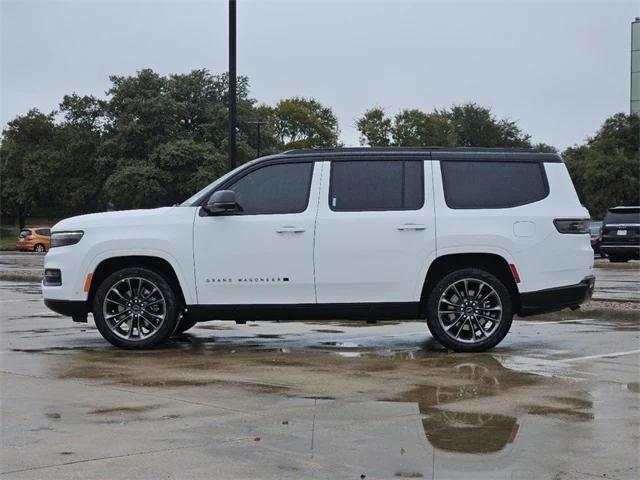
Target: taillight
30,237
572,225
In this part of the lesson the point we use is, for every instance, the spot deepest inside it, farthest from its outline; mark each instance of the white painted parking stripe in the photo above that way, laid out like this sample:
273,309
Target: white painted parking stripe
581,320
604,355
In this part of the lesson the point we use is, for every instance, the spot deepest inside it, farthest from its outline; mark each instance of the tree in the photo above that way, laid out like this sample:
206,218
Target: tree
476,126
375,128
137,186
467,125
606,169
300,122
181,160
26,152
415,128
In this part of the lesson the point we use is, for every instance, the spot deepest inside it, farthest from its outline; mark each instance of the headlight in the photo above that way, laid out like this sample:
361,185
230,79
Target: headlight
62,239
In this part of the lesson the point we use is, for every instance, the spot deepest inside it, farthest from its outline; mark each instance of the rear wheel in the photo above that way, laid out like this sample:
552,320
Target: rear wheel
39,248
135,308
469,310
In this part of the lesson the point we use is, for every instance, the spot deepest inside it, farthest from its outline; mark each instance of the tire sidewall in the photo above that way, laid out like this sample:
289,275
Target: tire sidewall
163,333
432,311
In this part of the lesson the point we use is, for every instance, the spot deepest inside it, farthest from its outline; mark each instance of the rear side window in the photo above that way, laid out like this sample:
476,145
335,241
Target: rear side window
280,188
493,184
376,185
45,232
623,216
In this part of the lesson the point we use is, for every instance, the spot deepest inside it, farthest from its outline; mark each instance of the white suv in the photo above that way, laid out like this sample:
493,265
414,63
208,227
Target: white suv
465,238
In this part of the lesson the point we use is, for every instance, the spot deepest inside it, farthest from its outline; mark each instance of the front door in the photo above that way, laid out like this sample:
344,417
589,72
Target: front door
263,253
375,231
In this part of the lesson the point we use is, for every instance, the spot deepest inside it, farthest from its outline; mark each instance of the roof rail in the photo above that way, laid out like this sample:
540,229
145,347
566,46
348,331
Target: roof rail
300,151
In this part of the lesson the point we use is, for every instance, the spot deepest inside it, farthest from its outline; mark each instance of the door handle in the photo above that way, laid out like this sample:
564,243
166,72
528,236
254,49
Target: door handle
412,226
290,229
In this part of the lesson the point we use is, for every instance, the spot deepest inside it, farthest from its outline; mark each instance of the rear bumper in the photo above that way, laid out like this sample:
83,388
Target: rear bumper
553,299
631,251
77,309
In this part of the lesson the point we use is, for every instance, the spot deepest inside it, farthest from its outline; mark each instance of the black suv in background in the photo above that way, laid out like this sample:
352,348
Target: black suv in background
621,234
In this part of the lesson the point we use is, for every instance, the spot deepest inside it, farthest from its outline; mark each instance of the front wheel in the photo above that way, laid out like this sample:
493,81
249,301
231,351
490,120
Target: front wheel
135,308
469,310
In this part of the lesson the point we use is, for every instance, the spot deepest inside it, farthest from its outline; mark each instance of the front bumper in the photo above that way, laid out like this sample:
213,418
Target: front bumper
553,299
77,309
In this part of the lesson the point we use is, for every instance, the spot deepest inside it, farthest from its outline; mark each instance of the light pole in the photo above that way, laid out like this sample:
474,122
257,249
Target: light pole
232,84
257,124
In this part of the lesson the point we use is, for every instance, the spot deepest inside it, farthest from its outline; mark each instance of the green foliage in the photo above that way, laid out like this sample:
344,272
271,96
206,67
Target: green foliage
28,148
137,186
468,125
415,128
476,126
374,128
302,123
606,170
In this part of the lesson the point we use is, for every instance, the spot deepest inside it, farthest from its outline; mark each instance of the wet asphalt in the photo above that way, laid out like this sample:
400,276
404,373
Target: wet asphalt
558,399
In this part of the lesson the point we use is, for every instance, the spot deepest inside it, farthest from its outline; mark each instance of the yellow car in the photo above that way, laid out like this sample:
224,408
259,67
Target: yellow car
34,239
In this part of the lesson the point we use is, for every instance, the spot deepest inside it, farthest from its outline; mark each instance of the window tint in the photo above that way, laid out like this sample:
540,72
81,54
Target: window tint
492,184
376,185
282,188
45,232
623,215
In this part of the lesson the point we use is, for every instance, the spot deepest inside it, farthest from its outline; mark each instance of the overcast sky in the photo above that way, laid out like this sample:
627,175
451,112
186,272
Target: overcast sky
557,67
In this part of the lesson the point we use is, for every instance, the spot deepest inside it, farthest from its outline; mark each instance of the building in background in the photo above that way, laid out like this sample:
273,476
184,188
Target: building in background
635,66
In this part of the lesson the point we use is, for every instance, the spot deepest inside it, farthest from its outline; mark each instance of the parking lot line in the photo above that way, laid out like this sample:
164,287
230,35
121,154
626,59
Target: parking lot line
604,355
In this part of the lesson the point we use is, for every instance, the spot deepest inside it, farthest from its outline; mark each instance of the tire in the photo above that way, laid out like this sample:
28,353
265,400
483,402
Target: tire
135,308
39,248
481,310
184,325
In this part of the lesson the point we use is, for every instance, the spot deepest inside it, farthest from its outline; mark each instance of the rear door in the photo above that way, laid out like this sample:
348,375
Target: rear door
375,234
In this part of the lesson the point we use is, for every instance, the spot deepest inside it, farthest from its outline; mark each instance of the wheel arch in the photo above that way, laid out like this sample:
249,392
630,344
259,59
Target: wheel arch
490,262
160,265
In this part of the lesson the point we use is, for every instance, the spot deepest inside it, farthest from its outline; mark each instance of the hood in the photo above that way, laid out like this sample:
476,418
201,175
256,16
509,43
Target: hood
123,218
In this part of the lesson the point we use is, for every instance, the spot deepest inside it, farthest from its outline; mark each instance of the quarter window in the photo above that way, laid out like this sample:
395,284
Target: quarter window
281,188
493,184
376,185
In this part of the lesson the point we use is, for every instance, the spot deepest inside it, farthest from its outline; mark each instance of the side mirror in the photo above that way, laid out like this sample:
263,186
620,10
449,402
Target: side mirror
221,202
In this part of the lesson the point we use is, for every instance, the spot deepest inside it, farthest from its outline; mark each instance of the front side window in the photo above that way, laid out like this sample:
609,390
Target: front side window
483,184
374,185
281,188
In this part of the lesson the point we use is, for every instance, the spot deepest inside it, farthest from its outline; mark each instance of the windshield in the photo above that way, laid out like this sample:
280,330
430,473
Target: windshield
623,215
189,202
